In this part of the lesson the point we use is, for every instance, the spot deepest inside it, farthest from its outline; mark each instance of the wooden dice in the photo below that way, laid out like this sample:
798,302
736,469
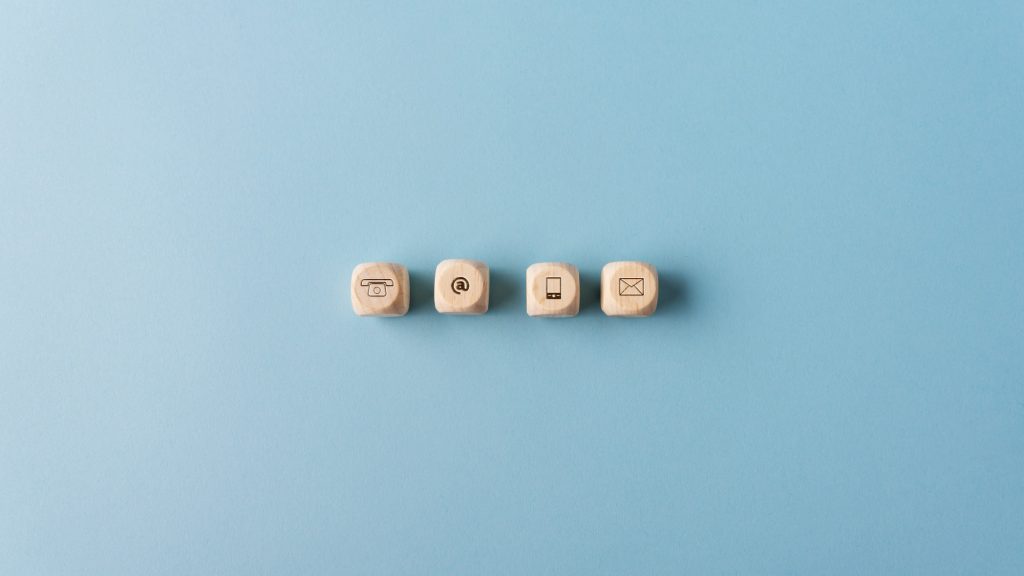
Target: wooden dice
461,287
629,289
380,289
552,289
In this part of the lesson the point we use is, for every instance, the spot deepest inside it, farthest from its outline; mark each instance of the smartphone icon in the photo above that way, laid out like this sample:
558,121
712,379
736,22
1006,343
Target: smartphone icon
553,287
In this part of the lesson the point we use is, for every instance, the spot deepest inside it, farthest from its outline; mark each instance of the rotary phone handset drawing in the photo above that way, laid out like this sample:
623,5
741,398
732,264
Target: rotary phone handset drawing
377,287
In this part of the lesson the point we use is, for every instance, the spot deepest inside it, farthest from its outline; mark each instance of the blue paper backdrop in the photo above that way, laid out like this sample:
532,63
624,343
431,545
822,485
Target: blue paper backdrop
833,193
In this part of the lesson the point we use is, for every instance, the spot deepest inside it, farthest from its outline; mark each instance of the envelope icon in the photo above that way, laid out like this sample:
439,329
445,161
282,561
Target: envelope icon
631,286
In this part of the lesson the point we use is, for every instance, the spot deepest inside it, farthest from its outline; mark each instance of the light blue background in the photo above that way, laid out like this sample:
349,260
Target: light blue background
833,193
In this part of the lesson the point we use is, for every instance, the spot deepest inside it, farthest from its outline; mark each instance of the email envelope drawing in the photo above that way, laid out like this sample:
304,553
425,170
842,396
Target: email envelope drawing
631,286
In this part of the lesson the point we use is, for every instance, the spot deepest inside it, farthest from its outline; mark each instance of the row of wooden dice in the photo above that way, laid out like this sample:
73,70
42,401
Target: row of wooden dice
463,287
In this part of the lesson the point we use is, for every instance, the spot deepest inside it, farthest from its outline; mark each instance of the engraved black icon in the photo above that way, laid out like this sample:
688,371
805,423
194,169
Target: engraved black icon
377,287
460,285
631,286
553,287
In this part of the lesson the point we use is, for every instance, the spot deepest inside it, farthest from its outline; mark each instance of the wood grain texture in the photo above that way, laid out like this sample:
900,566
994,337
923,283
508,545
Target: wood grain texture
380,289
629,289
552,289
462,287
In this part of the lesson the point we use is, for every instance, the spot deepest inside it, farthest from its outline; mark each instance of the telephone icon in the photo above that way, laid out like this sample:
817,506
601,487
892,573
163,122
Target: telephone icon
377,287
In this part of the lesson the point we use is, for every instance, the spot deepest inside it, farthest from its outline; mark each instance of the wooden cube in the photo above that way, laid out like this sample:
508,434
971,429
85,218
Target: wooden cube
380,289
629,289
552,289
461,287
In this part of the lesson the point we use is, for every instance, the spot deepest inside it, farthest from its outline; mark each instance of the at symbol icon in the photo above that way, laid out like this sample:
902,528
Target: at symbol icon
460,285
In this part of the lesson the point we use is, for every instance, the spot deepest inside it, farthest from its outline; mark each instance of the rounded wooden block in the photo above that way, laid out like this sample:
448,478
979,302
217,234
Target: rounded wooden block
461,287
380,289
629,289
552,289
